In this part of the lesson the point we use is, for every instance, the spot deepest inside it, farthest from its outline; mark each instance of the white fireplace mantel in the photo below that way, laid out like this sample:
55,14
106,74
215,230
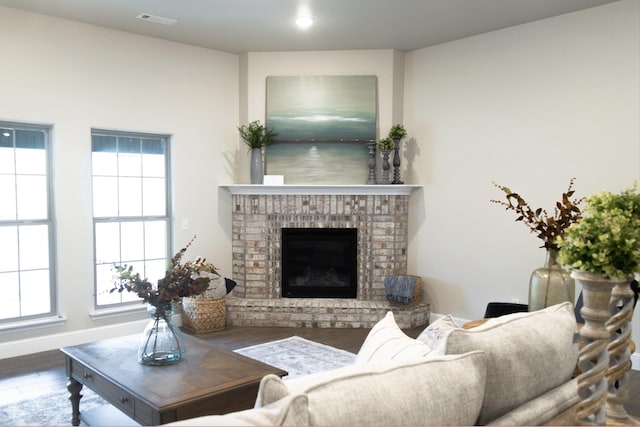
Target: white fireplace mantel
259,189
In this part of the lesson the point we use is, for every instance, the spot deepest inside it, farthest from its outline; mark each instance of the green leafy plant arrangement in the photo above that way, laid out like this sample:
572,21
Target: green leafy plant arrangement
255,135
180,280
397,132
546,227
607,240
385,144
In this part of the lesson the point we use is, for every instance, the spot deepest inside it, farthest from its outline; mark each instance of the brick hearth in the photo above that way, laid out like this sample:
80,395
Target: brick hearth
380,213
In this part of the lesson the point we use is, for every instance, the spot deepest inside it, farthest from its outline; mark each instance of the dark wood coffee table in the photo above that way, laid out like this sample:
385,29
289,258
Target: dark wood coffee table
210,380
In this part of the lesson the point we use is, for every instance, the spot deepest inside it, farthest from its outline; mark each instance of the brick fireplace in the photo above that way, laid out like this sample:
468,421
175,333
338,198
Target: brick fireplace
259,212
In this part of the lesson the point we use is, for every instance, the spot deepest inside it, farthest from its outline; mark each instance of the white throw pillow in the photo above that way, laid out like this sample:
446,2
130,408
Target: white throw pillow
217,286
527,355
386,342
434,335
430,391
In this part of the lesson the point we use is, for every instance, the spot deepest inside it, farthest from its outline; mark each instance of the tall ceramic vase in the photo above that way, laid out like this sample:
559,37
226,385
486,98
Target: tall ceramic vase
593,360
257,169
550,284
162,342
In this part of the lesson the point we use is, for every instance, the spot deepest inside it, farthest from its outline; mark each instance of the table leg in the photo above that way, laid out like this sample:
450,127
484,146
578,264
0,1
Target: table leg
74,388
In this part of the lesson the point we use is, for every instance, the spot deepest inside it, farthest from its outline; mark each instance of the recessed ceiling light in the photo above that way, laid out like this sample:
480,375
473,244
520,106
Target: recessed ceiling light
156,19
304,22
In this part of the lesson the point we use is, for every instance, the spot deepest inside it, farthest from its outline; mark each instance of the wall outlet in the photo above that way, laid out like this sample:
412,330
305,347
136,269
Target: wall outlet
515,300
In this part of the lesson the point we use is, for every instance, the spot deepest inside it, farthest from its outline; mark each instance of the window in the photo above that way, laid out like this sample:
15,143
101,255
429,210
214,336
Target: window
27,279
130,209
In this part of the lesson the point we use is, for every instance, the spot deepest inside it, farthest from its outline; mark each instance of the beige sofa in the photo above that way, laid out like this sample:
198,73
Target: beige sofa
513,370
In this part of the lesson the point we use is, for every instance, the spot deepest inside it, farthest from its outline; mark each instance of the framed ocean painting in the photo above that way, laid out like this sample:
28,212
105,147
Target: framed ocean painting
323,125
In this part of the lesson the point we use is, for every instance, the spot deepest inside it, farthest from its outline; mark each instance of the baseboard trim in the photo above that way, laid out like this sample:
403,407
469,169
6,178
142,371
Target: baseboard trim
55,341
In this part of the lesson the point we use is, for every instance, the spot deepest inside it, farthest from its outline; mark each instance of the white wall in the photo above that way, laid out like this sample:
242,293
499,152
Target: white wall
528,107
76,77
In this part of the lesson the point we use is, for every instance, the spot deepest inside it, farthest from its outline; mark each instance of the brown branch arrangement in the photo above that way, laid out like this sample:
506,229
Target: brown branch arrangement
180,280
546,227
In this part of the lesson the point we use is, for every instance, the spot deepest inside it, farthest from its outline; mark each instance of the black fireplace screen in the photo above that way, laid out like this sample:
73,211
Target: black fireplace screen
319,262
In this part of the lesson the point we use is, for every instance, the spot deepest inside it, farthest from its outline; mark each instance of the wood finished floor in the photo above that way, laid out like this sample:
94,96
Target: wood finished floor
34,375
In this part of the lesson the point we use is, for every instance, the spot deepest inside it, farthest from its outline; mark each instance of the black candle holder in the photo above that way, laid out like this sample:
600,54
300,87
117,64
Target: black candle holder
396,162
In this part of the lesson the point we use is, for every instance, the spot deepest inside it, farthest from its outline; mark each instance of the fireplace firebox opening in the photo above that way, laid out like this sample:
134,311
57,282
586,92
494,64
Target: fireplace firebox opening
319,262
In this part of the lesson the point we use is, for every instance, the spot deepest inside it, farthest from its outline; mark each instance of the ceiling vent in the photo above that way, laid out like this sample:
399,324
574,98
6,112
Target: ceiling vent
156,19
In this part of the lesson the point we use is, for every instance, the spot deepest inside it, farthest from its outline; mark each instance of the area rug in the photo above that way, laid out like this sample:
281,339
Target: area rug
52,409
299,356
296,355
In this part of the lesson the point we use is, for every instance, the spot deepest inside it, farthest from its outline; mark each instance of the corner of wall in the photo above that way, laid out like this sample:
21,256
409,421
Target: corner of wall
243,88
397,112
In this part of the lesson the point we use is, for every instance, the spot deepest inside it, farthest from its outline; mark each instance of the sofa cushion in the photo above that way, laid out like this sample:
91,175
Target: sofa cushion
290,411
434,335
386,342
543,408
447,390
527,355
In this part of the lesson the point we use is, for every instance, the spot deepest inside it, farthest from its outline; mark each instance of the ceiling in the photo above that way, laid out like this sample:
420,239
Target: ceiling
239,26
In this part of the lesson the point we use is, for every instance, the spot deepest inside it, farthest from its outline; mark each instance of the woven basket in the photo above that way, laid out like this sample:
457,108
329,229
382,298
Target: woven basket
417,295
202,315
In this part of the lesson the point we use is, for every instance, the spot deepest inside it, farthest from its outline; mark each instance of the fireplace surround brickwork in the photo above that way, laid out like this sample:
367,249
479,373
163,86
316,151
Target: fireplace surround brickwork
257,220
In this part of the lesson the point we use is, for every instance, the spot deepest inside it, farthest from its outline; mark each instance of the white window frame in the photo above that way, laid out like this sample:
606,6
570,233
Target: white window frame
9,130
100,266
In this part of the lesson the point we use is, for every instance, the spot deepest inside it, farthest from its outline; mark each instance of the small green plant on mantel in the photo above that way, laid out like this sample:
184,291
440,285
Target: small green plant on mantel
607,239
397,132
385,144
256,135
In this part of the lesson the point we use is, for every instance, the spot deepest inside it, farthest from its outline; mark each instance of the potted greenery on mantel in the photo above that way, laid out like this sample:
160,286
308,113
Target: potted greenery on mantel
397,132
256,136
385,144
